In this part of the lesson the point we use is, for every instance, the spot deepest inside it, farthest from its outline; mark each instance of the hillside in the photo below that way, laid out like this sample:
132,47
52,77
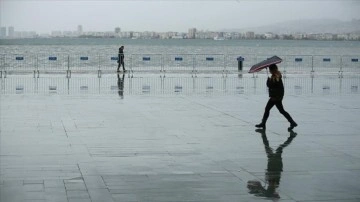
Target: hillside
307,26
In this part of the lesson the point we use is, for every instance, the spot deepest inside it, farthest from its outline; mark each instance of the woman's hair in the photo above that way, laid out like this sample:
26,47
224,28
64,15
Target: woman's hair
273,67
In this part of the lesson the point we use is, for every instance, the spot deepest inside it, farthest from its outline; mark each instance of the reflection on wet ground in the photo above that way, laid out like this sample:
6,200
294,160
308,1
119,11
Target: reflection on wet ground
274,168
176,84
177,138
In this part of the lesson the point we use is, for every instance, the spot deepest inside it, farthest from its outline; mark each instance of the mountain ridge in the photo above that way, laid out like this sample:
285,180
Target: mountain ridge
314,26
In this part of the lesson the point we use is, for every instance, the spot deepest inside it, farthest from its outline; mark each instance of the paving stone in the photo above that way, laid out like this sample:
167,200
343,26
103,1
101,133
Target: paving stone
193,145
100,195
78,194
125,197
34,187
54,184
35,195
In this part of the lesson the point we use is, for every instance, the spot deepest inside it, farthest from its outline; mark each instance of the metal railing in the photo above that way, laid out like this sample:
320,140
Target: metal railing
184,63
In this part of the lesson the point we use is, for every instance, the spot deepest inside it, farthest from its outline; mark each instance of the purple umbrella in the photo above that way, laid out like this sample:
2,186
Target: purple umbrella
264,64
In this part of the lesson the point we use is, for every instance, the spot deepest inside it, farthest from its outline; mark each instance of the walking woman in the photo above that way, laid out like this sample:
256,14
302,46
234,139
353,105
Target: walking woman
121,59
276,94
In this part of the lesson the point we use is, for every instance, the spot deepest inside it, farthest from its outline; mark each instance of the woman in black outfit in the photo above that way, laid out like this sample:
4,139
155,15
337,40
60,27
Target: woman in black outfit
121,59
276,94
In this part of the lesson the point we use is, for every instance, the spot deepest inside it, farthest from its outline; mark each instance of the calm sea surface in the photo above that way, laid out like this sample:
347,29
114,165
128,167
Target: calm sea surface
178,46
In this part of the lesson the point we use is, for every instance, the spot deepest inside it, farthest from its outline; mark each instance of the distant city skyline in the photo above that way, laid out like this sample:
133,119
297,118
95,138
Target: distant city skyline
44,16
354,23
192,33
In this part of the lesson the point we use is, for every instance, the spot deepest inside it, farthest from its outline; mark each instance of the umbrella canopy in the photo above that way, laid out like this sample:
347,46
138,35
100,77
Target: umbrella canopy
263,64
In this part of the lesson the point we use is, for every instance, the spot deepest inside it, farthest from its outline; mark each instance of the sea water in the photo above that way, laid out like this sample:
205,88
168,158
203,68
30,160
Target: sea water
178,46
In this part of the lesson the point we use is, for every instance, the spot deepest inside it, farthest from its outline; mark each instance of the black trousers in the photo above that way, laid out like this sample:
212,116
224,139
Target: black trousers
121,62
279,106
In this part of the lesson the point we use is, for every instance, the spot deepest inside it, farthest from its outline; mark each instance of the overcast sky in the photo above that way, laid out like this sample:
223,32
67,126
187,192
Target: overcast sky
166,15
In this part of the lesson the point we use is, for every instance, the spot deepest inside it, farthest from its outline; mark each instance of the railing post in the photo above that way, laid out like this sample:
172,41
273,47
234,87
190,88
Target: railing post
36,85
35,70
1,65
37,65
194,63
162,63
131,66
224,68
341,67
341,63
99,70
285,60
285,66
340,84
312,66
68,62
68,72
4,65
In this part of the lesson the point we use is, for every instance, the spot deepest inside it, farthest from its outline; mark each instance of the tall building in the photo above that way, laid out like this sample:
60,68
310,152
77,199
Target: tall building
117,30
11,32
250,35
192,33
3,32
79,30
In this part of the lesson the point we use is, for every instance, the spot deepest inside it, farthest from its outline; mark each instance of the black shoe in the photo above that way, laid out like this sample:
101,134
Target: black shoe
261,131
292,126
292,134
261,125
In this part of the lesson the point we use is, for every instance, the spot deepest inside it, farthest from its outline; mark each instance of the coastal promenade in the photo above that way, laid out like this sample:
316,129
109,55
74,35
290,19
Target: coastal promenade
177,137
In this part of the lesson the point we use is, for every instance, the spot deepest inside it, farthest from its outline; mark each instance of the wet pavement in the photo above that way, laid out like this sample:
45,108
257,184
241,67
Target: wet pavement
177,138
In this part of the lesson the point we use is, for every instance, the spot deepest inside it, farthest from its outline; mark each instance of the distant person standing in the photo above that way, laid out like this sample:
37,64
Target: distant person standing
121,59
276,94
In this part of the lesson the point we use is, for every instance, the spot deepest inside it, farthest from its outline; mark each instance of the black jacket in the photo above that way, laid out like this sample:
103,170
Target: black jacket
276,87
121,55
